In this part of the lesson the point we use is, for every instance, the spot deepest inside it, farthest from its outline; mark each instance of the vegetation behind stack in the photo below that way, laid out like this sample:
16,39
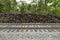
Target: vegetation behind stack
35,7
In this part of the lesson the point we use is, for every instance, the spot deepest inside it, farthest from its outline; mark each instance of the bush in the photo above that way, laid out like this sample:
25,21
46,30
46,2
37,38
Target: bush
11,6
56,11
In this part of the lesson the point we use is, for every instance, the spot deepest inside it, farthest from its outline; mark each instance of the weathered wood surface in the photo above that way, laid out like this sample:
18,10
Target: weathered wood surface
30,25
30,36
29,31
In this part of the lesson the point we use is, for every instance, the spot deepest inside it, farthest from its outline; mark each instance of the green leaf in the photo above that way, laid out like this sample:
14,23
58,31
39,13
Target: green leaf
56,11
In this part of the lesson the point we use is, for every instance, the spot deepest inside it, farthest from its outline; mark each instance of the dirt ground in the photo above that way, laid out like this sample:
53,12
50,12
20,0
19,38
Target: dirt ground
29,18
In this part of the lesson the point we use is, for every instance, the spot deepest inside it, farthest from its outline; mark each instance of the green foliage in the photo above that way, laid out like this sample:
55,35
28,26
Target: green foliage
8,6
56,11
36,6
1,7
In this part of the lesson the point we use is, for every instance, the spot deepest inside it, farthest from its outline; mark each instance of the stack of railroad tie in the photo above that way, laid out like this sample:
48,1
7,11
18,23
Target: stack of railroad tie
43,31
32,27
